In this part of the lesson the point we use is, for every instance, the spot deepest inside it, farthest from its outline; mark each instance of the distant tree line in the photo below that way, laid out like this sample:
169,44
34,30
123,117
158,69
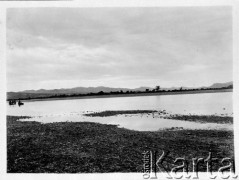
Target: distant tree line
155,90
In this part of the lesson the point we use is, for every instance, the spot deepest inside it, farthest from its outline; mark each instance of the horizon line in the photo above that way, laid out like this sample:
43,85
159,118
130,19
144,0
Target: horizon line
118,87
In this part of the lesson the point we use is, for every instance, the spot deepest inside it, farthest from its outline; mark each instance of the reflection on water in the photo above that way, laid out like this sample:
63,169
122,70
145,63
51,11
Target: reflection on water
72,110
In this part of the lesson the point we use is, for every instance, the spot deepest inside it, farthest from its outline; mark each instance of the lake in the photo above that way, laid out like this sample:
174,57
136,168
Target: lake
73,110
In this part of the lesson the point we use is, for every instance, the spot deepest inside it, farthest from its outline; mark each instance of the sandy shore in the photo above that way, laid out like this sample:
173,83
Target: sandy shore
133,95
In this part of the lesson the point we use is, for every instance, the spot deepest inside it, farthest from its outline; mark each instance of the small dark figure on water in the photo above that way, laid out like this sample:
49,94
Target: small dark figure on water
12,102
20,103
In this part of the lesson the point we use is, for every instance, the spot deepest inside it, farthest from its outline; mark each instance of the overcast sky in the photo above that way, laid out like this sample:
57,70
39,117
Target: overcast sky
118,47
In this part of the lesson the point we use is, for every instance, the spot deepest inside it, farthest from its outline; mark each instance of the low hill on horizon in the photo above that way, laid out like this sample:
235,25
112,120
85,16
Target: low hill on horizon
220,85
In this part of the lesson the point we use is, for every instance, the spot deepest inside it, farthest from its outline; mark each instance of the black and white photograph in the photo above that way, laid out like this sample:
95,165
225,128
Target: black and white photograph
145,90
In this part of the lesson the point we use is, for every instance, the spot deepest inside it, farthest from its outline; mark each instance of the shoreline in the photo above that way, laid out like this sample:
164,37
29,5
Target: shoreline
131,95
87,147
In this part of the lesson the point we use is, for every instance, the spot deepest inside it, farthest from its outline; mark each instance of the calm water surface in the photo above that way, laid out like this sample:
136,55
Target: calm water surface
73,110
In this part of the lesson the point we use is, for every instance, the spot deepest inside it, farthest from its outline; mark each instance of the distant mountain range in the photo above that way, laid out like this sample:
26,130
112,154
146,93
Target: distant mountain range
86,90
82,90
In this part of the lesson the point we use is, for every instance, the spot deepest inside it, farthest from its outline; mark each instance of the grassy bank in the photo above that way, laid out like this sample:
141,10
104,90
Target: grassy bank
114,113
72,147
165,115
202,118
